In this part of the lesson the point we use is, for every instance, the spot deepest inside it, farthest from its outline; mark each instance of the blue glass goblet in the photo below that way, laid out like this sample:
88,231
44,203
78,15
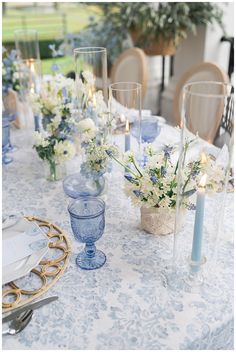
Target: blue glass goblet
11,117
150,129
5,140
87,216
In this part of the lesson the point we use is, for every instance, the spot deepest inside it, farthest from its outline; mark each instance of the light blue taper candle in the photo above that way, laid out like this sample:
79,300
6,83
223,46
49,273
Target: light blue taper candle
127,136
198,226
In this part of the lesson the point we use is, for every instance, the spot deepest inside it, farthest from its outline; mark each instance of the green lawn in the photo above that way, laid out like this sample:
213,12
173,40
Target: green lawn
50,24
66,64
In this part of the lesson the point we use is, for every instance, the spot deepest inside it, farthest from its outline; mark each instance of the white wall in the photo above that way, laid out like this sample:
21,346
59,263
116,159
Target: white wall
215,50
205,46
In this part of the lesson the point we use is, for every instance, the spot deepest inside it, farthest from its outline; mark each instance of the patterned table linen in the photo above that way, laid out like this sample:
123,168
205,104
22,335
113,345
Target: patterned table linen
125,304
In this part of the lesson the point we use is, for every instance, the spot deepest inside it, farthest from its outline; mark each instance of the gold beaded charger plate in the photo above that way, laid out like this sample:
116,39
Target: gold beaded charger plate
24,290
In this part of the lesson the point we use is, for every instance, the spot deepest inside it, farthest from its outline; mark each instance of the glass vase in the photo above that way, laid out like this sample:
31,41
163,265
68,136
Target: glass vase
94,61
77,185
125,115
27,44
30,75
203,180
54,171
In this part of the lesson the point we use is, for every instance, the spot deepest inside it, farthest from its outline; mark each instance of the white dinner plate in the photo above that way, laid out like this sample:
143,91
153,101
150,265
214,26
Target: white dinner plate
20,267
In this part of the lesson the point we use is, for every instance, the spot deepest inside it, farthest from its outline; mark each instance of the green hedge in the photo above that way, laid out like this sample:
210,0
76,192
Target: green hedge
45,52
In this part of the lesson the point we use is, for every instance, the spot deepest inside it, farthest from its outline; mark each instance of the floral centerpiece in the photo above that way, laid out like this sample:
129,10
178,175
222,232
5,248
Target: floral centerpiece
10,76
10,84
93,127
55,104
153,187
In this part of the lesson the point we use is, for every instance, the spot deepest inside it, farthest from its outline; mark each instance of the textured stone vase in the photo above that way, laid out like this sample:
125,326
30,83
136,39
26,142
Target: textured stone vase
157,221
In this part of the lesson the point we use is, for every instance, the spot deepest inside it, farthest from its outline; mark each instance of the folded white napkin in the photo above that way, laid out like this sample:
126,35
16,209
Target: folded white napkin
21,240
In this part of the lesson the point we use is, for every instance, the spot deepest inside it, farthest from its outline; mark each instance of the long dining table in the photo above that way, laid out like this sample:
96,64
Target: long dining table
126,304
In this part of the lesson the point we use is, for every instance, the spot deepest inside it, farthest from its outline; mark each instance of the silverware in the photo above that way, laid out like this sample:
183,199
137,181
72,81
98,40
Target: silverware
11,220
27,307
19,323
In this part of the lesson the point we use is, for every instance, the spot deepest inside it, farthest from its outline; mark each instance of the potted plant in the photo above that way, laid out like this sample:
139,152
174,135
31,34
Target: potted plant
158,28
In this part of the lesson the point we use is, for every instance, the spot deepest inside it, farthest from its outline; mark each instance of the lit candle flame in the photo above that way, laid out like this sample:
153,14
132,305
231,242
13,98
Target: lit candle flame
127,126
202,182
90,94
122,118
30,63
203,158
94,101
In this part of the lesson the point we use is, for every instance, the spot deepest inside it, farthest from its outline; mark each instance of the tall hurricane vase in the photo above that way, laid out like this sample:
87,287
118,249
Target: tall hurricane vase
94,61
125,114
206,135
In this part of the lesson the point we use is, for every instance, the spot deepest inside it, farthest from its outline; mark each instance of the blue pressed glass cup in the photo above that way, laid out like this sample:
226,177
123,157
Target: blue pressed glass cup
87,216
5,140
150,129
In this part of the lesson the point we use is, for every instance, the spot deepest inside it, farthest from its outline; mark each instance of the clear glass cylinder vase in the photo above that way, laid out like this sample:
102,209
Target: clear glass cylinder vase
27,44
91,67
30,76
204,169
54,171
125,115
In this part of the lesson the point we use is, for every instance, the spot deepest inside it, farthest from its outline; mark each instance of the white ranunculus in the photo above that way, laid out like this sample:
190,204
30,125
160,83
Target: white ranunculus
51,127
101,106
89,78
87,128
51,97
16,75
39,140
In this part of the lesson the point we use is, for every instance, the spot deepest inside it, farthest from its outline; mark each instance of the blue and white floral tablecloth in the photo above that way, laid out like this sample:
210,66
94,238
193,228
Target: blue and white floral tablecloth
125,304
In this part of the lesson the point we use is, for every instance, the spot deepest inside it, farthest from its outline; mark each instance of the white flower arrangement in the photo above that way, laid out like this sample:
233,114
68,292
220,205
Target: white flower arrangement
64,151
155,184
91,103
97,162
87,129
55,103
53,150
93,126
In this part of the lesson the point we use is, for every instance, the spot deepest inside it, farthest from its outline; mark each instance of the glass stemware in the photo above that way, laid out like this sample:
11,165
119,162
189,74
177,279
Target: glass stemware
150,129
87,216
9,114
5,140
